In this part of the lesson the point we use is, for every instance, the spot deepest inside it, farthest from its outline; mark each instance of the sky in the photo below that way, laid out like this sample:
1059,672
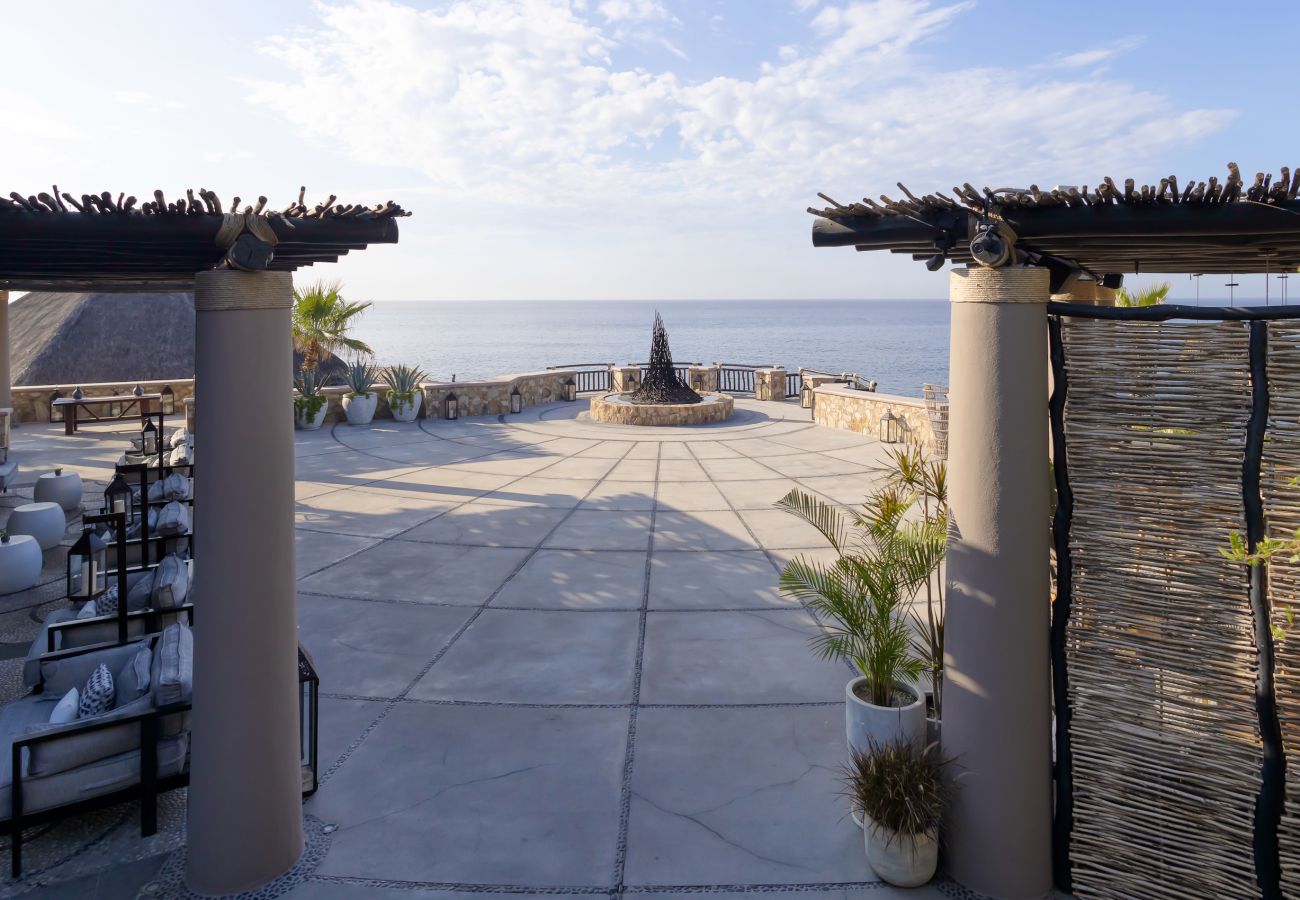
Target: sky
634,149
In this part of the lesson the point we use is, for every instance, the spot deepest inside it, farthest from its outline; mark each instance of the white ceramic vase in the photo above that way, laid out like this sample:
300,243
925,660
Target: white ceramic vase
865,722
405,412
903,860
360,408
306,424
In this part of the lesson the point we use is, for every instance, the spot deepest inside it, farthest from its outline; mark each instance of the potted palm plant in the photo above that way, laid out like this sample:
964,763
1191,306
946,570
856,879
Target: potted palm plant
902,792
360,401
310,404
883,557
322,323
404,391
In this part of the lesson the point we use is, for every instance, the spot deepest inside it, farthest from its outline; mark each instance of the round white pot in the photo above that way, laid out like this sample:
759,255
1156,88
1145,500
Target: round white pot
316,422
405,412
360,408
903,860
865,722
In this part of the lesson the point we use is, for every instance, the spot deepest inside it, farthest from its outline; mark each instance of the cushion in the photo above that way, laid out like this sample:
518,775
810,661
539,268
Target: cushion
80,748
140,590
174,487
90,610
132,681
65,710
98,694
57,675
173,666
178,439
173,519
171,582
105,604
179,456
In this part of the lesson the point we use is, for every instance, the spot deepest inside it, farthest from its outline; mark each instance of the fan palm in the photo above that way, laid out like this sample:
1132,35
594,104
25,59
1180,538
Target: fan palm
1150,295
322,320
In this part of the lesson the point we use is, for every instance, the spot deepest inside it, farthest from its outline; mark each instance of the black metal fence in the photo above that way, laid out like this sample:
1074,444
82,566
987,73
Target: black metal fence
591,378
682,370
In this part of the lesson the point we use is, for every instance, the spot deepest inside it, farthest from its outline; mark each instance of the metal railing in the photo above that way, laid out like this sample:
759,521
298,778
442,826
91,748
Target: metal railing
793,384
848,379
590,378
682,370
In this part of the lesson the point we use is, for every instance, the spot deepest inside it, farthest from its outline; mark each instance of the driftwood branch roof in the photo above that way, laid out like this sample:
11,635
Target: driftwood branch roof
1106,229
53,240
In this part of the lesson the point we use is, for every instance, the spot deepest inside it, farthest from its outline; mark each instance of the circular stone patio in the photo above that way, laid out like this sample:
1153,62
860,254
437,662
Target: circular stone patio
554,660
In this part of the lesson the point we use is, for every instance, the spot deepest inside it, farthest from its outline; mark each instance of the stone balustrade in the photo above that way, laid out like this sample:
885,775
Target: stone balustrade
626,378
769,384
838,406
31,402
491,398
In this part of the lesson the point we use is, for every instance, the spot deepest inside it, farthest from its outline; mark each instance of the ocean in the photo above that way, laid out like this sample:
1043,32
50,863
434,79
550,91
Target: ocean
902,344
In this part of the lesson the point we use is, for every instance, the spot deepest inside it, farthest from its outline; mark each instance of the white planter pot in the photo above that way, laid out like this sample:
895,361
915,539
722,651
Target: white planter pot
865,722
312,424
360,408
903,860
405,412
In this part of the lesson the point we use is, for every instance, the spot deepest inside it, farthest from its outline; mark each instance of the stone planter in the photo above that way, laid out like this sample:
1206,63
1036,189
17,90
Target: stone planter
360,408
865,722
617,409
20,563
306,424
404,411
903,860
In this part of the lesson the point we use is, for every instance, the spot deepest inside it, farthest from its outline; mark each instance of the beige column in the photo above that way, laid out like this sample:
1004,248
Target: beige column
996,701
245,802
6,376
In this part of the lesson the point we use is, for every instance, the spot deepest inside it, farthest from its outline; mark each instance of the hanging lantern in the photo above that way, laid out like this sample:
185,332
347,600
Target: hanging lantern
118,497
308,717
87,567
167,403
516,400
451,407
149,438
806,396
570,389
890,432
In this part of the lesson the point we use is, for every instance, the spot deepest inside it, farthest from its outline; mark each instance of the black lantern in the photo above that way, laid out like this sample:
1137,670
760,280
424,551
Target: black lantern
806,395
56,411
167,402
118,498
890,429
308,716
451,407
149,438
516,400
570,389
87,567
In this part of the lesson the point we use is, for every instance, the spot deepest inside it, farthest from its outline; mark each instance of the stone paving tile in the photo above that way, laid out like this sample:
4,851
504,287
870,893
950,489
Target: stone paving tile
577,579
776,528
606,450
485,524
737,469
634,469
559,493
590,529
741,796
367,513
593,467
428,573
713,450
686,496
645,449
728,657
508,464
719,530
681,470
372,649
738,579
760,494
873,891
321,889
538,656
808,465
480,794
342,721
852,489
318,549
621,495
674,450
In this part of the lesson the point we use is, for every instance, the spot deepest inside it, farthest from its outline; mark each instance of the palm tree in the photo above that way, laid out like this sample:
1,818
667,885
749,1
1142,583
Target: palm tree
322,320
1151,295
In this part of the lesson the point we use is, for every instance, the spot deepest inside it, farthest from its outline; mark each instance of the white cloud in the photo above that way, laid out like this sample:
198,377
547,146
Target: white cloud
1083,59
525,104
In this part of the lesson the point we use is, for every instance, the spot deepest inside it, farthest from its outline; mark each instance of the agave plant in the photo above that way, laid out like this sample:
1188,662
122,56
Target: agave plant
311,398
403,381
361,377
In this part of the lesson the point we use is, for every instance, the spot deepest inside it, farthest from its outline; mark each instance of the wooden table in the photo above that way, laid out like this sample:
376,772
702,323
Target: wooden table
132,405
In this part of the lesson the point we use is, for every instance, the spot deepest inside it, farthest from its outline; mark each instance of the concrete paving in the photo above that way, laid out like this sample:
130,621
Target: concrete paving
554,659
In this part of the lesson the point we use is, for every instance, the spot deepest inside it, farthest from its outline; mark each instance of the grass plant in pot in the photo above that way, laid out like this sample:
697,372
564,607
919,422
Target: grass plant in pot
310,404
902,791
404,391
883,558
360,401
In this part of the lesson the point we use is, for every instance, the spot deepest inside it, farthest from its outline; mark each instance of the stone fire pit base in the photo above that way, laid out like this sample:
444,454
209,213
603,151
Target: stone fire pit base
616,409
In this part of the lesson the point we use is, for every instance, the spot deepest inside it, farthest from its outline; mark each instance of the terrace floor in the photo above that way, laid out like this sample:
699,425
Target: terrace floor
553,660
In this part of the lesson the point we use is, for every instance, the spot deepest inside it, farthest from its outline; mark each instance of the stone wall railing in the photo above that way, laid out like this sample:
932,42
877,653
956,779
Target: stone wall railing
31,402
837,406
492,398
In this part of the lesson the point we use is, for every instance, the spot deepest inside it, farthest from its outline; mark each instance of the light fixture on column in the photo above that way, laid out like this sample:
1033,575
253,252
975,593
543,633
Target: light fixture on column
570,389
167,402
149,438
450,407
516,400
118,497
890,432
87,567
806,395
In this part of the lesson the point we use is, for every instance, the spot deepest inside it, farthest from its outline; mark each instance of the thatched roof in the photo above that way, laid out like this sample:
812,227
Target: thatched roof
65,338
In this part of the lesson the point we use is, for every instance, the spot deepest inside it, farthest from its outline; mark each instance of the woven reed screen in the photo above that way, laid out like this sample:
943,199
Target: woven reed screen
1160,642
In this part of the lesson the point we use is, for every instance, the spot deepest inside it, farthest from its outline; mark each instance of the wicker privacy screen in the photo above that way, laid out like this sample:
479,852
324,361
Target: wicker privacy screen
1176,706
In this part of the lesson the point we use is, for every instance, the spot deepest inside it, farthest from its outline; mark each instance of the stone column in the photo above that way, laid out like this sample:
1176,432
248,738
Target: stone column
703,378
769,384
996,699
626,378
245,797
6,376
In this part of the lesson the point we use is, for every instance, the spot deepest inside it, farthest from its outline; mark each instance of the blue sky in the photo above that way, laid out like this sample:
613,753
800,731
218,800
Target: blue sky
634,148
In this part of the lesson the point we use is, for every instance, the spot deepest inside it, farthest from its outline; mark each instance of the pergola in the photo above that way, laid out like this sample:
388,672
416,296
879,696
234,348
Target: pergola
245,808
1016,249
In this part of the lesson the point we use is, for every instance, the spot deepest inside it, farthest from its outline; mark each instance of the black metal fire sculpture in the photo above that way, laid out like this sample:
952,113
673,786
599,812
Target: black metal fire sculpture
661,384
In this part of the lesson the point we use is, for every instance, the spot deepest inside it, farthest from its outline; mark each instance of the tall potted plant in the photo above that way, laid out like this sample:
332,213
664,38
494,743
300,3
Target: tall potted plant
902,791
360,401
310,405
322,323
404,391
883,558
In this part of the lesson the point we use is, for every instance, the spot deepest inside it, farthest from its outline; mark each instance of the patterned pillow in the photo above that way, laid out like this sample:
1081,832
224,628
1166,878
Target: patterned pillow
106,603
98,694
